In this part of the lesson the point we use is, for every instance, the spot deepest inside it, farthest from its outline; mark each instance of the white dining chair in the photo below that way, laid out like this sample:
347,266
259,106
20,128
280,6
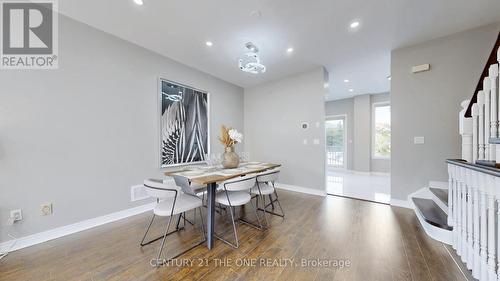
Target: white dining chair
265,187
236,192
171,201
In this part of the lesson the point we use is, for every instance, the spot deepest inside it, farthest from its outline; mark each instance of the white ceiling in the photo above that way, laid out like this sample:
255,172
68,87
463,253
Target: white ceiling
316,29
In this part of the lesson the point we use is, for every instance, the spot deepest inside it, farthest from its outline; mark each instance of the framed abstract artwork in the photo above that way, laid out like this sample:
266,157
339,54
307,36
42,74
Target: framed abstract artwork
184,124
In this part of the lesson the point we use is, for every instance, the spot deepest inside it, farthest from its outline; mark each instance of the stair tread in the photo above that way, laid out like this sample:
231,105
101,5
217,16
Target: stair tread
431,213
441,194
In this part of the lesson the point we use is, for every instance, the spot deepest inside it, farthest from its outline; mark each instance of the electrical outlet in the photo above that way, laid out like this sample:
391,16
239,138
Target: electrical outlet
16,215
46,209
419,140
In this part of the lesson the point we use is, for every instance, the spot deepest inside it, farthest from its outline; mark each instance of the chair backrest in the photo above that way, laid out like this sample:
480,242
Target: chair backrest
239,184
158,189
268,176
184,184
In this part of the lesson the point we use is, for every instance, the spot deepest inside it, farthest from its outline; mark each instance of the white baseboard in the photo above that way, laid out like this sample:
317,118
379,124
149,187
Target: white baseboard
373,173
380,174
301,189
30,240
400,203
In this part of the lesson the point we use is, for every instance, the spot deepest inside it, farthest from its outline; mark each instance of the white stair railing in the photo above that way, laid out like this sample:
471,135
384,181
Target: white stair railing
477,131
474,213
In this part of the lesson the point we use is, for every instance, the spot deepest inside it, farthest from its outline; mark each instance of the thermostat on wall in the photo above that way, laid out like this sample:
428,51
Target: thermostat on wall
304,125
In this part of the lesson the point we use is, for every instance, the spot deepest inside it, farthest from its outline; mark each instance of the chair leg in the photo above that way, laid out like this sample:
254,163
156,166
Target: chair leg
202,224
147,230
271,199
163,241
234,227
265,210
178,222
256,215
234,230
279,204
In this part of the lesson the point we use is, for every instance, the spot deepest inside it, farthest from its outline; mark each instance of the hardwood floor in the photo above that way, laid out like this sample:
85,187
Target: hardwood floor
378,241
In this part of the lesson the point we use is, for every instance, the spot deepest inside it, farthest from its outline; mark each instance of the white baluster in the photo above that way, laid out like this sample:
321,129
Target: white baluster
480,124
497,183
491,233
494,89
494,101
450,195
470,252
475,219
475,132
464,216
456,209
483,228
487,108
465,128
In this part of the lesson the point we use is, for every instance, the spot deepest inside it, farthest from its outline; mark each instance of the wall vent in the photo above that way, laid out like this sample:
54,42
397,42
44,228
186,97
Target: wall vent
138,192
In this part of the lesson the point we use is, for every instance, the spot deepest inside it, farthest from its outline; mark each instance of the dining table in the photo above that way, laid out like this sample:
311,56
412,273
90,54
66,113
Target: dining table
211,176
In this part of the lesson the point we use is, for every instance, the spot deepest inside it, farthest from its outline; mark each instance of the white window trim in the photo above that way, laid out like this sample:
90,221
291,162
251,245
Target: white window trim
378,104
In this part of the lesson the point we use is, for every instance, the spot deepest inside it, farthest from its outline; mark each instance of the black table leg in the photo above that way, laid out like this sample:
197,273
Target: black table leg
211,187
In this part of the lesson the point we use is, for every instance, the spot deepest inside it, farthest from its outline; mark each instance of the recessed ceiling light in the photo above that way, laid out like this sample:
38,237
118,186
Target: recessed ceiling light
354,24
346,80
351,90
289,50
139,2
209,43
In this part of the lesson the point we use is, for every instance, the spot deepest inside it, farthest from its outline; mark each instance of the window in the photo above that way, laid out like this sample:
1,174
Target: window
381,148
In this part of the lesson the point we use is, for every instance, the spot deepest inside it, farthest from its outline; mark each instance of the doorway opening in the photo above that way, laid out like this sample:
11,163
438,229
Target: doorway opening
335,127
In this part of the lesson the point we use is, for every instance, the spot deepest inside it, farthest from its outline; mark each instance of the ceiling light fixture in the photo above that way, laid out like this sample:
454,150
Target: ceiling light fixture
289,50
209,43
389,77
351,90
139,2
346,80
251,62
355,24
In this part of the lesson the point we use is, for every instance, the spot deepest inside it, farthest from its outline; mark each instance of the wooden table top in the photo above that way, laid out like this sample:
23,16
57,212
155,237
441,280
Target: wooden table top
217,176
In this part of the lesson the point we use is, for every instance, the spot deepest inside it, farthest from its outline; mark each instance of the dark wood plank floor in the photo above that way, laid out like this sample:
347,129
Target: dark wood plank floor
378,241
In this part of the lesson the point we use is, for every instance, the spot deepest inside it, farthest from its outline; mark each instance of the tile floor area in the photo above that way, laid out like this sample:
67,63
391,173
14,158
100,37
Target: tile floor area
356,185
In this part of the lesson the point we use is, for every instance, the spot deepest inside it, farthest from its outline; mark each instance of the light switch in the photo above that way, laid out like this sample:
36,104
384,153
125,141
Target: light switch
316,141
305,141
418,140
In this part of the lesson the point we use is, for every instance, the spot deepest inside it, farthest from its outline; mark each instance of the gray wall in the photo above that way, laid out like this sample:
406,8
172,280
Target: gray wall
273,115
344,107
362,135
426,104
81,135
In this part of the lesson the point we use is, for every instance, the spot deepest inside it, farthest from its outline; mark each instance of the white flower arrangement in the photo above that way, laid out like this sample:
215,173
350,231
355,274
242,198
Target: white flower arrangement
230,136
235,135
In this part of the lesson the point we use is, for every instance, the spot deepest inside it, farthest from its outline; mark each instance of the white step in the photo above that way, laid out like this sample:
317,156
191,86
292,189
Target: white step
437,233
438,184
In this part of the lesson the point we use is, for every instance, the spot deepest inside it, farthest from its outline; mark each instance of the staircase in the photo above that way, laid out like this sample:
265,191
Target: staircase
431,207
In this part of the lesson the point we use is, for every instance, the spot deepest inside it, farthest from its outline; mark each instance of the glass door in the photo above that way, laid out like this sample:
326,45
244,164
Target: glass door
335,142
